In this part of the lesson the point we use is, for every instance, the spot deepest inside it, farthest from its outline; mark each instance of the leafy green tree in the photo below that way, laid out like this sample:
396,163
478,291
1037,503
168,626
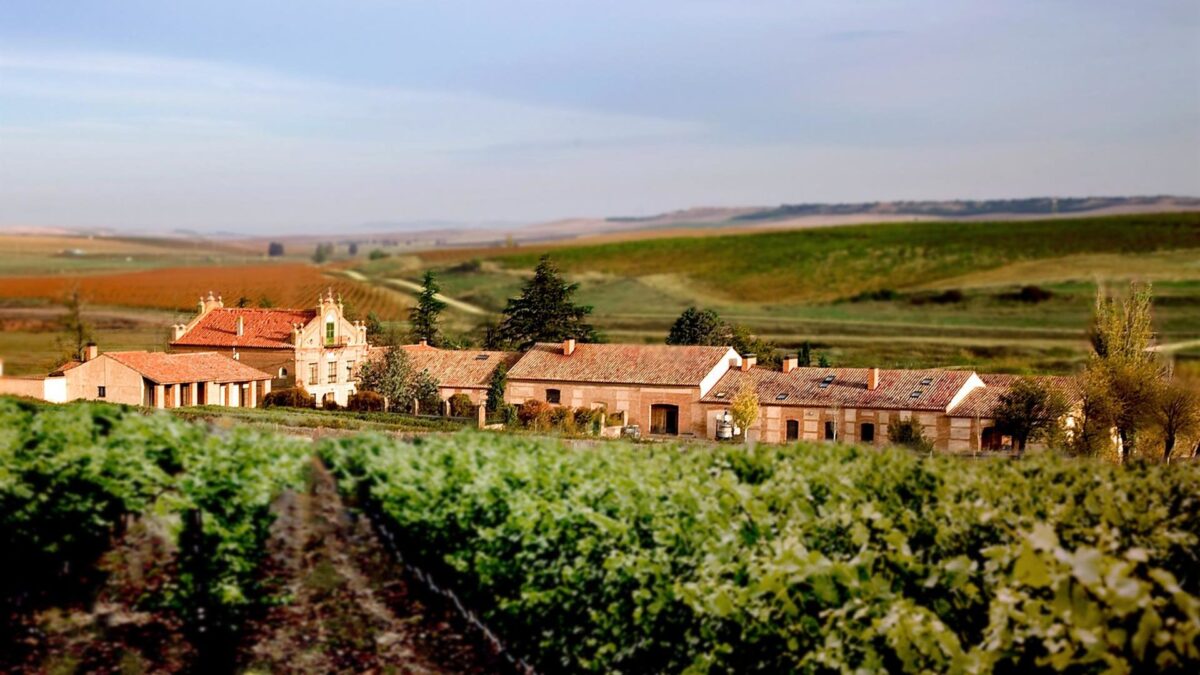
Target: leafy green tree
242,302
425,317
823,361
322,253
1030,410
804,355
393,377
375,329
496,387
275,249
699,327
1092,435
353,248
265,302
745,342
1121,336
378,254
545,311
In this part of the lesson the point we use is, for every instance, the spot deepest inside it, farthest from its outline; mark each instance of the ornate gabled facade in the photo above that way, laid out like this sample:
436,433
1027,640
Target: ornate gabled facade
318,349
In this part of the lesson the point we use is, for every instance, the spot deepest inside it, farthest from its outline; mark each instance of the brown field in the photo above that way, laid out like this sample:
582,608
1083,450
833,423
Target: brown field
179,288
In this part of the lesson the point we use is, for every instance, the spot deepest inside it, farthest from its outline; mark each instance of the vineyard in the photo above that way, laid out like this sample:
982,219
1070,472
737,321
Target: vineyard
797,559
614,558
283,285
73,477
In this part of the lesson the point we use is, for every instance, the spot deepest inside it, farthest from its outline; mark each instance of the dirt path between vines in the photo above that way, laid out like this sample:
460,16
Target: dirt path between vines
349,607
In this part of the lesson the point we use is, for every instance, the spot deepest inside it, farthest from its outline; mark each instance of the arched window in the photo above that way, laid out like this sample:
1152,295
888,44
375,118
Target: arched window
283,372
330,328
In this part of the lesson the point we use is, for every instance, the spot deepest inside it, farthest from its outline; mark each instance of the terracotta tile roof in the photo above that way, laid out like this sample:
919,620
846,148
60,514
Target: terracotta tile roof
263,328
73,363
848,388
983,402
457,368
166,368
619,364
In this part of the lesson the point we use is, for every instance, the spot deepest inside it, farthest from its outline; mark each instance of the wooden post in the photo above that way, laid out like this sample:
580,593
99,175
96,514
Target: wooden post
416,407
481,416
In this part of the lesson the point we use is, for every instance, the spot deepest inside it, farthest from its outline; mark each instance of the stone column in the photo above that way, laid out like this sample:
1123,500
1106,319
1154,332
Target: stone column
446,408
253,394
159,396
175,394
481,416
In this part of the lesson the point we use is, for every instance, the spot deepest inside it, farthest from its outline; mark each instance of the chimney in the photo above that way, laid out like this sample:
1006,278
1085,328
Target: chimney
748,361
423,343
241,326
568,346
1,367
873,379
177,331
790,363
295,333
90,352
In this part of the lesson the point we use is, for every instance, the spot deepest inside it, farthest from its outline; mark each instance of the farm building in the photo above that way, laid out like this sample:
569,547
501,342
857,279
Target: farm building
318,349
458,371
152,379
955,408
657,387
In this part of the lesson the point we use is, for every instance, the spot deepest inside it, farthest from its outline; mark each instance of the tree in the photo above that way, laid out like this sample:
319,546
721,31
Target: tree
699,327
545,311
744,407
745,342
275,249
265,303
322,253
496,388
378,254
242,302
1092,435
823,361
1030,410
1175,411
353,248
77,329
424,318
1121,335
909,433
375,329
393,377
804,356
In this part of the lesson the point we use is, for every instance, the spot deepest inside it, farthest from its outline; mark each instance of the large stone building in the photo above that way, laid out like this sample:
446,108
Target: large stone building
152,379
318,349
656,387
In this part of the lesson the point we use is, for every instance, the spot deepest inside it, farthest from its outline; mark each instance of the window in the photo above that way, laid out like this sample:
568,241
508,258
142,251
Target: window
481,357
312,373
915,394
781,397
793,430
101,392
283,372
926,382
329,330
827,381
720,394
553,396
866,433
332,372
829,431
349,371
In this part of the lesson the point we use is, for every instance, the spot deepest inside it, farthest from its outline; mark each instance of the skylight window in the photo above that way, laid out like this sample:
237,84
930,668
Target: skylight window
827,381
915,394
781,397
481,357
926,382
720,394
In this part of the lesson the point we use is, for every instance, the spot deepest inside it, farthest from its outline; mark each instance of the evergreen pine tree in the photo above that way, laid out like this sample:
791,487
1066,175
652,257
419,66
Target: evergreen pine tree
424,318
545,312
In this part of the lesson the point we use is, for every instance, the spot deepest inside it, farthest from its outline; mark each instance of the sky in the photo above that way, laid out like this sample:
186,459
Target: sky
307,115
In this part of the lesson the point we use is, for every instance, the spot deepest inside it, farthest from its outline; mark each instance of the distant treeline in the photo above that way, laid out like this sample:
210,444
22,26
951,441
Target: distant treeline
957,208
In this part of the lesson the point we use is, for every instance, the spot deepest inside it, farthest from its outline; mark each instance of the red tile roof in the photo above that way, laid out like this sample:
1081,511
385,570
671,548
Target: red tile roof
460,369
619,364
983,402
847,389
262,328
165,368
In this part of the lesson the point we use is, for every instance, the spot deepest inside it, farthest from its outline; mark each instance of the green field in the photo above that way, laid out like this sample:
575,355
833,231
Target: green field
817,285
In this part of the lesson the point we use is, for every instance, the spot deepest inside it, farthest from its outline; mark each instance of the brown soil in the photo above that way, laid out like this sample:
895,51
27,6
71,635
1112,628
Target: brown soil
350,607
345,606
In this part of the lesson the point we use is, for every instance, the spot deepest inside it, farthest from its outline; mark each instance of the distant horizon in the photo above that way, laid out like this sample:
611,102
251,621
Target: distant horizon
435,226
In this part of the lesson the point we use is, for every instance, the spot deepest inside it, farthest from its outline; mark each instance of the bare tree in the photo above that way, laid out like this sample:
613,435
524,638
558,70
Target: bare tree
1176,413
77,330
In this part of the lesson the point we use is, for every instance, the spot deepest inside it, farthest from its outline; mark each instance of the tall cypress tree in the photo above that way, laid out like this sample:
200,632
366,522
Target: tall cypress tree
424,318
545,311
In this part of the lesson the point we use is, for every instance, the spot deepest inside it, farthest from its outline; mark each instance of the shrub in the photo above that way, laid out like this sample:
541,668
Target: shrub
378,254
291,397
365,401
1034,294
587,420
508,414
908,433
329,403
534,414
563,419
461,405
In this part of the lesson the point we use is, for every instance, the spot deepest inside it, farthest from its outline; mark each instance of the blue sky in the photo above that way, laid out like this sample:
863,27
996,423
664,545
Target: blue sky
308,115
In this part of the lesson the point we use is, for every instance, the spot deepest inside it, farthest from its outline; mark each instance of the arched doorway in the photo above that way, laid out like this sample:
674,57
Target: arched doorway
664,419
